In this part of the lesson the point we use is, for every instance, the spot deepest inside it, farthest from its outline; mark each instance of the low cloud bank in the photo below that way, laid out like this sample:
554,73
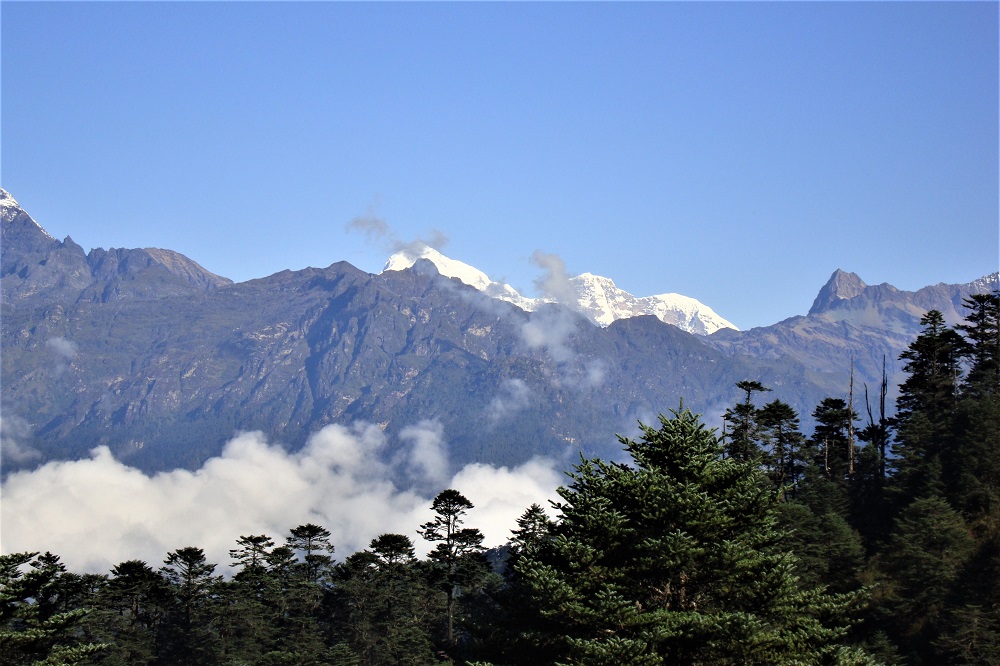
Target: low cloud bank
97,512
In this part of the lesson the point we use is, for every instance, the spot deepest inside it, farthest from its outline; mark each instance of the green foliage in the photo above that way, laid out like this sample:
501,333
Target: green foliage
779,427
926,410
677,559
922,563
743,441
458,562
36,625
383,604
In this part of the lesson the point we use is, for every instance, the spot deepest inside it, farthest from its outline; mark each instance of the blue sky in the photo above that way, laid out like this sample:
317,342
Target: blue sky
735,153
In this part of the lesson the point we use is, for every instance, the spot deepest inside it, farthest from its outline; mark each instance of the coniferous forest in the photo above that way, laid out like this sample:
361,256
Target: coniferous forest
874,539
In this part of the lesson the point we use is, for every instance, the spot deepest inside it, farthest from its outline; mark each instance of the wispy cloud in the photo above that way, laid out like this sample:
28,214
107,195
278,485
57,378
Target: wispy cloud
427,457
65,351
380,233
554,281
551,327
254,487
514,396
14,432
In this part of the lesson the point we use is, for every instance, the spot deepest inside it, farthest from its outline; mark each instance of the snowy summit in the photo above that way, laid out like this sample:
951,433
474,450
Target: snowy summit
597,298
10,209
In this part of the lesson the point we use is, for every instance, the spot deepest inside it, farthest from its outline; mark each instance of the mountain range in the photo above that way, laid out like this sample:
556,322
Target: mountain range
145,351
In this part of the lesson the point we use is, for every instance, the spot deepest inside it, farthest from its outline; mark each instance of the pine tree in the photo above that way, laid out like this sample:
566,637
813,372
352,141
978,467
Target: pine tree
922,563
830,439
383,604
247,618
306,566
458,556
925,411
134,604
188,637
676,559
982,334
743,439
973,467
779,425
312,542
33,629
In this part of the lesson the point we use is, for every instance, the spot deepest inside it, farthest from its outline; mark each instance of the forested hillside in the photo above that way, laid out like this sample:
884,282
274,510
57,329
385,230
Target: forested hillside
870,540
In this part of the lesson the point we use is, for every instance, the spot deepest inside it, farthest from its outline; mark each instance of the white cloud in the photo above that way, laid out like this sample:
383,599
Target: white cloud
428,457
502,494
97,512
594,372
513,397
550,328
62,347
13,431
554,281
65,351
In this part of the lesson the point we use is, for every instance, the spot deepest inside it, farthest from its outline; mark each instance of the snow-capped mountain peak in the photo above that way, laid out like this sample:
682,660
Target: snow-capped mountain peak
597,297
10,209
603,302
406,257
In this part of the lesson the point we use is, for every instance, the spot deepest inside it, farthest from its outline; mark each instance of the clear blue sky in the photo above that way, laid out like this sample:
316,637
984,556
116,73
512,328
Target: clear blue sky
736,153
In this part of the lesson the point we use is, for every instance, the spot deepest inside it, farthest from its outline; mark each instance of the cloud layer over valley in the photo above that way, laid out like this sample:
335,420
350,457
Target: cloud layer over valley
97,512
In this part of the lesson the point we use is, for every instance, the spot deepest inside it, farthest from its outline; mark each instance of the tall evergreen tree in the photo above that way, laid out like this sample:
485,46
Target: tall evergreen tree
248,618
677,559
306,567
383,604
982,333
312,542
134,604
742,441
926,554
458,556
779,425
189,637
830,439
925,410
973,467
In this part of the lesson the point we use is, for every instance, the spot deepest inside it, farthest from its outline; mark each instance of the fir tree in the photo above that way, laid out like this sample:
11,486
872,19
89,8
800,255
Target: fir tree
676,559
973,468
382,602
926,554
925,410
134,604
33,629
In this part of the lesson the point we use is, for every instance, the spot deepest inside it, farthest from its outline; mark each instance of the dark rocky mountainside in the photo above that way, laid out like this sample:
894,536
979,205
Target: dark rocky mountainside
163,361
